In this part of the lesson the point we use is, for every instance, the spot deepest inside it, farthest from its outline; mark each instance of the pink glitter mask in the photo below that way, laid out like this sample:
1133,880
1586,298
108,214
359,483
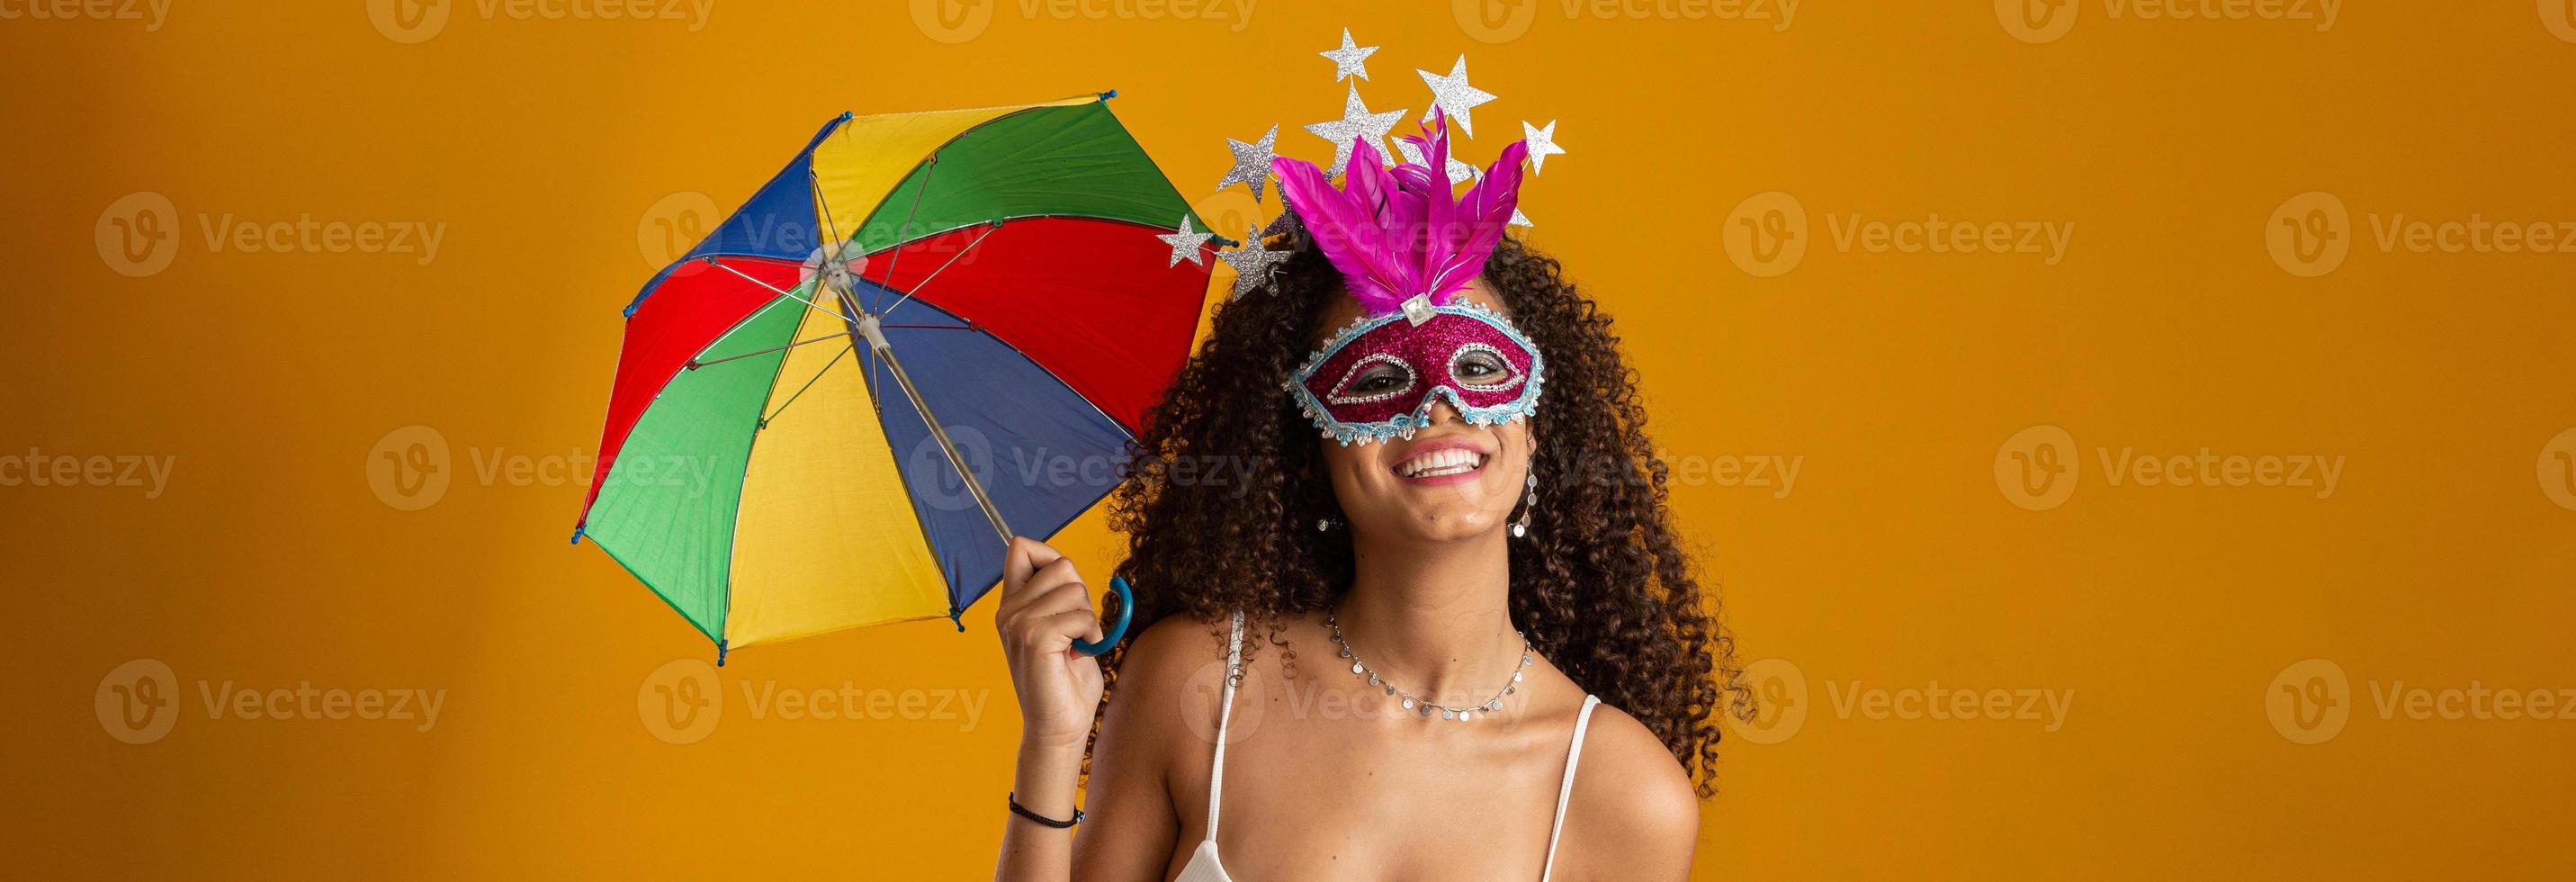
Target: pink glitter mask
1378,378
1406,244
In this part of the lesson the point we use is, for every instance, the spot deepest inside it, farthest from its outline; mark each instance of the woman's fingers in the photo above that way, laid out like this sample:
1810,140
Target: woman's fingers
1049,589
1061,629
1021,560
1065,594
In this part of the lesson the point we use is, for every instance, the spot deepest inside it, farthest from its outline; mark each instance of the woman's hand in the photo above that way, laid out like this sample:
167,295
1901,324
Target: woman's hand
1044,607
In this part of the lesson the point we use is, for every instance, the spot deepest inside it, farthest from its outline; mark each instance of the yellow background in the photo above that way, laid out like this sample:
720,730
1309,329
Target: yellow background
549,148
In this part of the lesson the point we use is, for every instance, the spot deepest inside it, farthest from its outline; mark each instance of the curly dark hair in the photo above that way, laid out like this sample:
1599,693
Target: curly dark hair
1602,586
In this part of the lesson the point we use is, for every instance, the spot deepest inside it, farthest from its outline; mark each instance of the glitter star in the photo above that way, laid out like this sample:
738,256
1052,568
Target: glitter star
1541,143
1252,263
1356,123
1458,171
1350,60
1452,94
1186,243
1251,163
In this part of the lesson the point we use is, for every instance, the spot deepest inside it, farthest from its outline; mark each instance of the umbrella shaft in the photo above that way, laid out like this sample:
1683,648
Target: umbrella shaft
877,342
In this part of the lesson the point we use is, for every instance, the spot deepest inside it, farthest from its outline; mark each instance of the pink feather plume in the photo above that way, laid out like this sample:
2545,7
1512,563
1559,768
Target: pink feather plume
1395,233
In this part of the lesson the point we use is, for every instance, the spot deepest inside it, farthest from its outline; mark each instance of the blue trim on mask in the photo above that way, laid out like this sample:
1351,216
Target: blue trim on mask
1403,425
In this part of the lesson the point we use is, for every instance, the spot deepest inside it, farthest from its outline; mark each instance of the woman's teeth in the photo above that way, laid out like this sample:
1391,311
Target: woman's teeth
1441,462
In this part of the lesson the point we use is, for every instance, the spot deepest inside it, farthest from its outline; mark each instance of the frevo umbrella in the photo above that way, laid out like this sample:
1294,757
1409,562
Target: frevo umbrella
929,332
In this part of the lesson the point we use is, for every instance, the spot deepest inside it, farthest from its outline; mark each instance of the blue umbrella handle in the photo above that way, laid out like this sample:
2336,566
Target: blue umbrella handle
1109,638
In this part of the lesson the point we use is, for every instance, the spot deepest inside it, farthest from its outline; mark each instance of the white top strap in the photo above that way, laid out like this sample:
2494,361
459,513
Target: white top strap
1225,714
1573,756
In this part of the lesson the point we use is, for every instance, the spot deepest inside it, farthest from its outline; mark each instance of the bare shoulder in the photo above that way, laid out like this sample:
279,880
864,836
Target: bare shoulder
1161,662
1633,803
1145,731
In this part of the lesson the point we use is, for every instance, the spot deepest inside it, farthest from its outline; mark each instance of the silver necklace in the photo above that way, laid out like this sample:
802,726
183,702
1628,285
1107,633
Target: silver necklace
1461,714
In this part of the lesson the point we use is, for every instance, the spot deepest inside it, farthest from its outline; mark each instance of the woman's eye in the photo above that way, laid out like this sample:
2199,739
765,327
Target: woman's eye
1379,381
1377,378
1481,366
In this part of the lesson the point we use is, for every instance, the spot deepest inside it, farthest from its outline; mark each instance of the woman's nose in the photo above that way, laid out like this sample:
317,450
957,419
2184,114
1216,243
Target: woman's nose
1441,412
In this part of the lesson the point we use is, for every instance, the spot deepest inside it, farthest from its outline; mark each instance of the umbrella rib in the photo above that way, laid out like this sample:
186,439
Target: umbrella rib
695,364
952,261
782,292
809,383
739,325
927,166
870,376
815,180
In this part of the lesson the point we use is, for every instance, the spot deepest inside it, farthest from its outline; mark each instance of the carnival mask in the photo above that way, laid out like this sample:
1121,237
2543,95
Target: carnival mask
1406,247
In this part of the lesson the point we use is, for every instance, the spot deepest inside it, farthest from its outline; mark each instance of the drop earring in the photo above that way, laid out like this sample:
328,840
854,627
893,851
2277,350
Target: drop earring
1520,528
1324,525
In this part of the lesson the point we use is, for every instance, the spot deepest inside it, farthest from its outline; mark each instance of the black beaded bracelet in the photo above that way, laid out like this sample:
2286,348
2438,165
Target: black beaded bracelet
1023,811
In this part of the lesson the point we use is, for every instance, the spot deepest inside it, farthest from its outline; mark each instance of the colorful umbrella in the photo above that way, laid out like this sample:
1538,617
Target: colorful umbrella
925,331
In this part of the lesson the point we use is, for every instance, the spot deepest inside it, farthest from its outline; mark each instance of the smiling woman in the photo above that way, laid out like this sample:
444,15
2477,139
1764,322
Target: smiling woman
1501,581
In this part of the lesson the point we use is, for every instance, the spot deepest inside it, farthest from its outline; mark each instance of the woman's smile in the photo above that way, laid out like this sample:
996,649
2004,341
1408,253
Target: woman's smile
1438,461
